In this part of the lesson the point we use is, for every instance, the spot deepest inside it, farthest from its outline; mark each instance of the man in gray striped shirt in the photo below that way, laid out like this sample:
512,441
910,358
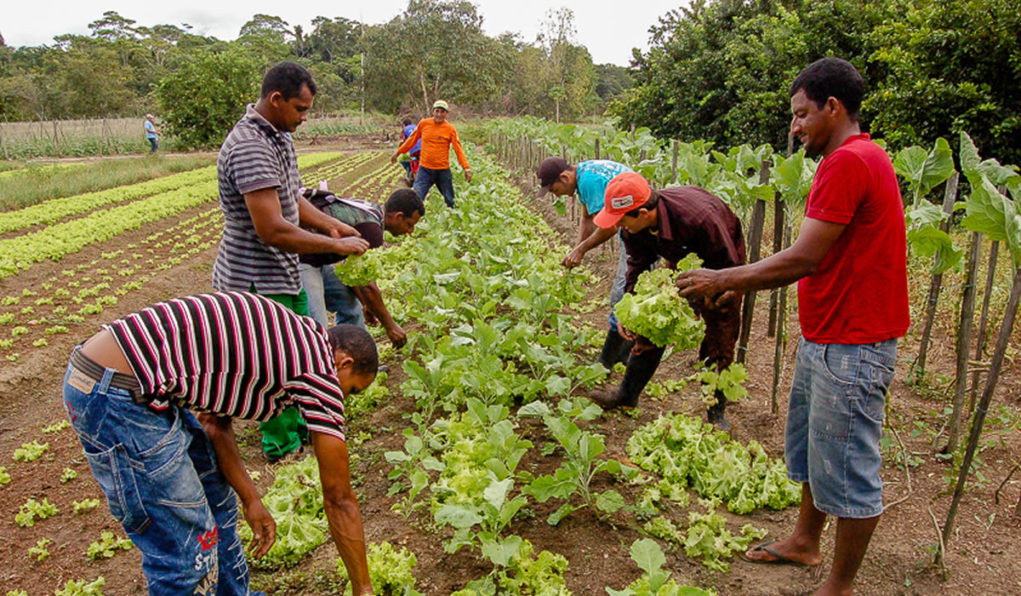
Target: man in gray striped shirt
257,171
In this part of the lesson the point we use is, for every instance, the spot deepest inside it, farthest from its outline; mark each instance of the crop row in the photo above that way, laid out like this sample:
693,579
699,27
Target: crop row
337,168
54,307
53,242
31,170
497,328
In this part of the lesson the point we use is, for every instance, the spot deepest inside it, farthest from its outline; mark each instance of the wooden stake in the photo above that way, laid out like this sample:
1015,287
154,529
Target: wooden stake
781,333
964,343
983,406
936,284
779,217
755,248
673,164
983,328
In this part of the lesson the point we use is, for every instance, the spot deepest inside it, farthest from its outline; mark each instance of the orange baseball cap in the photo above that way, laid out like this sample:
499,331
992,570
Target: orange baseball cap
626,192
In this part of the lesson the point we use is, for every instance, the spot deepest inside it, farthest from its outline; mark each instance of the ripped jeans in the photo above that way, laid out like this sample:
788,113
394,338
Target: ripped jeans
159,474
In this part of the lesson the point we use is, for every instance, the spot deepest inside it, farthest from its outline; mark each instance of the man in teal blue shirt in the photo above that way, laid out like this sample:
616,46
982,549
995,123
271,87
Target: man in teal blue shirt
589,179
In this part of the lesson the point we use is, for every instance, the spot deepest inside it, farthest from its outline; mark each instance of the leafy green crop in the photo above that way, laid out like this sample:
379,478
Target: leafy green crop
389,570
39,551
78,587
296,503
68,475
518,570
656,311
730,381
5,477
30,451
32,510
686,451
56,427
360,270
574,476
709,540
107,546
84,506
655,581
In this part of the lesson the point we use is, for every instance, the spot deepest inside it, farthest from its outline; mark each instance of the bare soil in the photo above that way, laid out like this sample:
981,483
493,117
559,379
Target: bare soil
979,557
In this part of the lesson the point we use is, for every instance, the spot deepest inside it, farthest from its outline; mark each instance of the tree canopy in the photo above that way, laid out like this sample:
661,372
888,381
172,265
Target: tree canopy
720,69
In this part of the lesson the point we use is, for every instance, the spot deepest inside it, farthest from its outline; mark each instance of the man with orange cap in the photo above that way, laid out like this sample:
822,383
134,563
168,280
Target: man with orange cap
437,136
671,223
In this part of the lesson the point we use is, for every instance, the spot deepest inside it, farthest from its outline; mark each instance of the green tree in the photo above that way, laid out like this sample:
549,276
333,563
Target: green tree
952,67
433,49
202,100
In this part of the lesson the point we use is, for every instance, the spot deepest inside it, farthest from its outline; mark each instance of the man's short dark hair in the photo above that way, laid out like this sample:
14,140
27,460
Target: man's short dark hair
406,201
831,77
407,121
288,78
356,343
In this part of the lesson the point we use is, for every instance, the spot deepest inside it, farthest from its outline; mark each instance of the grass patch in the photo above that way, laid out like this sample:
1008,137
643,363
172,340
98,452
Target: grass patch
37,183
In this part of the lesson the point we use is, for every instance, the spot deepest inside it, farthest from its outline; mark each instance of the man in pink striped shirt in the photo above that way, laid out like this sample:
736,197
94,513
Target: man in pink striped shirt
172,480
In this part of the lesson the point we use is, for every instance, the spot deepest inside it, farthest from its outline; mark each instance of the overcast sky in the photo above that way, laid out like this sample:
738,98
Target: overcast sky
608,29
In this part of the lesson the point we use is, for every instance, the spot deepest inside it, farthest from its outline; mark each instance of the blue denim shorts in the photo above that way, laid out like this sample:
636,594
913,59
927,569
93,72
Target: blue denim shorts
834,421
158,472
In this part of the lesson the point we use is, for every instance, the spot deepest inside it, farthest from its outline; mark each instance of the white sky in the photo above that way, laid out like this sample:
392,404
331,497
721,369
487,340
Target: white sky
608,29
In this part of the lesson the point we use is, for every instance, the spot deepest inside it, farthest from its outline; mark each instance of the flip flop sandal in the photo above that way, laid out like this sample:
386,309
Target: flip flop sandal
779,560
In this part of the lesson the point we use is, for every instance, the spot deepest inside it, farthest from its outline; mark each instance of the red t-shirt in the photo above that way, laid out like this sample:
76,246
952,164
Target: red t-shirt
859,294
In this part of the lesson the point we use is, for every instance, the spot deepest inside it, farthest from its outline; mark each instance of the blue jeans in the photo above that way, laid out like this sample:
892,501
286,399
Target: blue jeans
159,474
834,422
326,293
154,144
444,181
619,280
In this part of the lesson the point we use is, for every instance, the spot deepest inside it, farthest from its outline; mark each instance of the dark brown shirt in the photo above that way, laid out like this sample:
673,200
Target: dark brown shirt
690,220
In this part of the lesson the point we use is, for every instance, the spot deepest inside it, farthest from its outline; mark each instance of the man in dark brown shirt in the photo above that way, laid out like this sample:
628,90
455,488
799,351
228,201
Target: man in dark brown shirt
671,223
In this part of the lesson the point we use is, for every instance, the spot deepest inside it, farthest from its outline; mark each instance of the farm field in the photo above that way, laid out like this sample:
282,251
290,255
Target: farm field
452,283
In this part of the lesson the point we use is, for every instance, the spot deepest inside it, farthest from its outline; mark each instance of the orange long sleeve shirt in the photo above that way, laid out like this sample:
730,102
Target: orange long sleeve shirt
436,142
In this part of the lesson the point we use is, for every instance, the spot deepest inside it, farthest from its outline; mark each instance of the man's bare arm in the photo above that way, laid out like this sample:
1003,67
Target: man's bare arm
341,508
274,230
785,267
221,434
370,296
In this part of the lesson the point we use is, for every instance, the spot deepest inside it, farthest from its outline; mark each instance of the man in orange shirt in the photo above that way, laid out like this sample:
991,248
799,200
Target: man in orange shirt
437,135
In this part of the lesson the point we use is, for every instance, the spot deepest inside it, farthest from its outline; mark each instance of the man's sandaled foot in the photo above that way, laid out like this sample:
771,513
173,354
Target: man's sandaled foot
764,553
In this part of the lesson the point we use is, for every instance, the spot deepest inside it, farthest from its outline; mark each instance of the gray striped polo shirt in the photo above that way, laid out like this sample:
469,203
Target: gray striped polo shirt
255,156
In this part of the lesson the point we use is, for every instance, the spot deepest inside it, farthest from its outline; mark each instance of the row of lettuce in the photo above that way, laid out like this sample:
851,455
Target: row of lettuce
499,355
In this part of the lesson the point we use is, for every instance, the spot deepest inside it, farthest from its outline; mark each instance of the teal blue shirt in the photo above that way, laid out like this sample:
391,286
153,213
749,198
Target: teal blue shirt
591,178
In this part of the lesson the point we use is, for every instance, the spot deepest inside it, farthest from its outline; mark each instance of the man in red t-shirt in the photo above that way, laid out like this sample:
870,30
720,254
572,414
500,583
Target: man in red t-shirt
850,261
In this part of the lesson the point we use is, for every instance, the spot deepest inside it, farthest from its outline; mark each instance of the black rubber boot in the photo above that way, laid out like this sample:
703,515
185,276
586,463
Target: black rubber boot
615,349
640,369
717,415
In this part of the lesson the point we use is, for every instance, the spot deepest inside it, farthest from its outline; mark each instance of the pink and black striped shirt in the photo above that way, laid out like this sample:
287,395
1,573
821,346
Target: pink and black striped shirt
235,354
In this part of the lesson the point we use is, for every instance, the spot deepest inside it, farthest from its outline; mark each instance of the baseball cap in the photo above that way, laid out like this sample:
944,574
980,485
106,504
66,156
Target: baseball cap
439,103
548,172
626,192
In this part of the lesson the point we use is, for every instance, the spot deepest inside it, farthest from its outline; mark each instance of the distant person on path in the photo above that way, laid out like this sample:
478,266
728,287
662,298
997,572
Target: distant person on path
152,133
411,165
436,136
589,179
398,215
263,213
173,480
850,262
672,223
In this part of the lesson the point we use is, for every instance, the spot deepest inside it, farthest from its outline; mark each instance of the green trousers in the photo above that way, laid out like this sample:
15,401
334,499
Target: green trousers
283,433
